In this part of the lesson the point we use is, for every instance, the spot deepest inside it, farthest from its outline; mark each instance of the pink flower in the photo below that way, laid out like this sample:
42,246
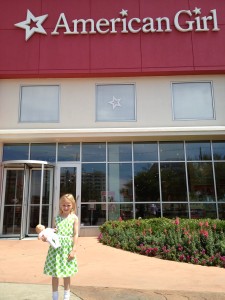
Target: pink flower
177,221
204,233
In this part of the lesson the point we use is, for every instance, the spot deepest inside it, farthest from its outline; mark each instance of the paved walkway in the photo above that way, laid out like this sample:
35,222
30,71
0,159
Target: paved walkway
105,273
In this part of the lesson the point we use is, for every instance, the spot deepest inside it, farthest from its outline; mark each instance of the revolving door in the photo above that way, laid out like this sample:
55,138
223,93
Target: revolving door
27,196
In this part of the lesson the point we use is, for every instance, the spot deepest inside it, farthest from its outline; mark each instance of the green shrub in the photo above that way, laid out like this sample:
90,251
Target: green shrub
196,241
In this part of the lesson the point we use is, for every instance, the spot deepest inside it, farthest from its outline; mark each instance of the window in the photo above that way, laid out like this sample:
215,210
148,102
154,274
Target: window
15,151
43,152
39,104
115,102
193,101
68,152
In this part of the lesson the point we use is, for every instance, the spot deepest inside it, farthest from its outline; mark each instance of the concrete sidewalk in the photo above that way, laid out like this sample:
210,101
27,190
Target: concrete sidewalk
105,273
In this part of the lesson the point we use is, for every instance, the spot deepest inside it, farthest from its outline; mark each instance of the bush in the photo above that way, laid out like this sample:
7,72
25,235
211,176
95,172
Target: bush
193,241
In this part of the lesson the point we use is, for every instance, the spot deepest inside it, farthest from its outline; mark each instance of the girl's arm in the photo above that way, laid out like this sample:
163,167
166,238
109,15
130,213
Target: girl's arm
75,239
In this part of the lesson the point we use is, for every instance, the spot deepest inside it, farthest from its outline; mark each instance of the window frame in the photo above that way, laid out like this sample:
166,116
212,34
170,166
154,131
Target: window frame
210,82
39,121
116,120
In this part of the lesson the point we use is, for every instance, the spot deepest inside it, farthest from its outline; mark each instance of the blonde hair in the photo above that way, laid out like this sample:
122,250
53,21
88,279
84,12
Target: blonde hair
39,228
72,200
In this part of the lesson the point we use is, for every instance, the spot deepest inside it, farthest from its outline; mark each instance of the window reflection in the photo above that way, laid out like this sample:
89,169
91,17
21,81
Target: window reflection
145,151
93,182
173,182
93,152
220,180
221,209
203,210
120,181
92,214
173,210
119,152
198,151
146,182
200,180
68,152
15,152
218,150
148,210
123,211
156,182
171,151
46,152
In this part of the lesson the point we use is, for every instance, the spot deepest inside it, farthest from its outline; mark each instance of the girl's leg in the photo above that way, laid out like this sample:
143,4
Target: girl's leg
55,284
66,288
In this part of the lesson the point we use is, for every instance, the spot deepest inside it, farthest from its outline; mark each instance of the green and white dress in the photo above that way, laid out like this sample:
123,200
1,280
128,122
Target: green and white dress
57,263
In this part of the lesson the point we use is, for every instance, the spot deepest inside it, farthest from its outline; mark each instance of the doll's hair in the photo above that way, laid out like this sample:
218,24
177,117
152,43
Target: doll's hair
39,228
72,200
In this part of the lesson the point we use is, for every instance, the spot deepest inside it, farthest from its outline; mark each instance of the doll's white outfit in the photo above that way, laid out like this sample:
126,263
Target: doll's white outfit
51,236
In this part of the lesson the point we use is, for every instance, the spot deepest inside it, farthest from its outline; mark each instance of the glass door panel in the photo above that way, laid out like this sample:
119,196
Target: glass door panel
14,181
22,209
68,176
70,182
35,204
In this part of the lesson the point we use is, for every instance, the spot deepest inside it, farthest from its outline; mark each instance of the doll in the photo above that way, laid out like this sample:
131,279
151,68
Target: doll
50,235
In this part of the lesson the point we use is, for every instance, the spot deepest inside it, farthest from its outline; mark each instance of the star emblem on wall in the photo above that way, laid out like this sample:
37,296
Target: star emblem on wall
115,102
28,26
197,11
124,12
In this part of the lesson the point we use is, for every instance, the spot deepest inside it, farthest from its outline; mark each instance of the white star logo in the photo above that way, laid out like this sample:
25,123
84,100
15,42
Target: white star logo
197,11
115,102
124,12
27,25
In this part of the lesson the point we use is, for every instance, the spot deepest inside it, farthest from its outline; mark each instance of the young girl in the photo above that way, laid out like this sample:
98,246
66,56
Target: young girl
61,262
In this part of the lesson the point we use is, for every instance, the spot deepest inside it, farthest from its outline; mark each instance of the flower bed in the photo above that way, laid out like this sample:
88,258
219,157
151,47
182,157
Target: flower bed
199,242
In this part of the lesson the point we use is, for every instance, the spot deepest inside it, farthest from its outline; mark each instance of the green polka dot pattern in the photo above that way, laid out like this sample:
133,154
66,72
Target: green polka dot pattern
57,263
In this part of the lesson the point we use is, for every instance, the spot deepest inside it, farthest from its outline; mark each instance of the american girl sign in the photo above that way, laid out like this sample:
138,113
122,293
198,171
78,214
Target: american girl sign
90,38
183,21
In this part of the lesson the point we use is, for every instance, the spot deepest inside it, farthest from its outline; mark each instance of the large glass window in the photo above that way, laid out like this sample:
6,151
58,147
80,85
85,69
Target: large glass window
39,104
129,180
193,100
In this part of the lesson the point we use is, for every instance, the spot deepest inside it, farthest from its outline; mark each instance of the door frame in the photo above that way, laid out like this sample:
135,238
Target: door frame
27,166
60,165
